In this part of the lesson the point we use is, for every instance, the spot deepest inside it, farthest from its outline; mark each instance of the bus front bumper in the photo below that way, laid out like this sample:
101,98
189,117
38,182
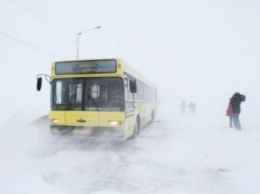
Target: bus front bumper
88,131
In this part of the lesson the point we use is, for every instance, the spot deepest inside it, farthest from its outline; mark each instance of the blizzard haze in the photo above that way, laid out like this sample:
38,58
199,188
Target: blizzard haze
199,51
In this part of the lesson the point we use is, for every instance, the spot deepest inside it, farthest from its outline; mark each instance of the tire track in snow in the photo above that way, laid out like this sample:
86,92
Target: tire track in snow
111,170
105,172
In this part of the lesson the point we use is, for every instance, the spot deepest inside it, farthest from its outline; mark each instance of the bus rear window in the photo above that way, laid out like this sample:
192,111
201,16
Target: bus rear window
85,67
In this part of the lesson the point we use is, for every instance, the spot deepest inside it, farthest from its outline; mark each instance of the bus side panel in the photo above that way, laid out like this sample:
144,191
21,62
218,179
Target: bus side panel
58,117
129,125
82,118
145,111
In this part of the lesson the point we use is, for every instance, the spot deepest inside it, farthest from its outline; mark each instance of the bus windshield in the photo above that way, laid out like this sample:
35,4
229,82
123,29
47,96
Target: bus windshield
90,94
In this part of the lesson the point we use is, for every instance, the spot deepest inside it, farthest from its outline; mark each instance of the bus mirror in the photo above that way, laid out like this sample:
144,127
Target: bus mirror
133,88
39,83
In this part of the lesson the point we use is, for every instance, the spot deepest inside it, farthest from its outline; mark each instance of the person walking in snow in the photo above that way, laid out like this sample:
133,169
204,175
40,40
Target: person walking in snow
192,107
229,113
183,107
236,100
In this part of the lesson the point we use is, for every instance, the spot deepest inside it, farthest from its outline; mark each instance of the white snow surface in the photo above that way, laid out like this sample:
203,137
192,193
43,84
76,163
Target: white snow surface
181,154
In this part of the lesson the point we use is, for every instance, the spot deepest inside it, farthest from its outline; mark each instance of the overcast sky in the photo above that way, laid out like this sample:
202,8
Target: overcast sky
201,51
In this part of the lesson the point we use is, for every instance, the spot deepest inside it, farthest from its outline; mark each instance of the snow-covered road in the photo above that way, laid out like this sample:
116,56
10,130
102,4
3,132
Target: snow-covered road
185,154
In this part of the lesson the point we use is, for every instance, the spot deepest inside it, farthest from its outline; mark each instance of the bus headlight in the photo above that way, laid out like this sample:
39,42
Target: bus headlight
54,121
115,123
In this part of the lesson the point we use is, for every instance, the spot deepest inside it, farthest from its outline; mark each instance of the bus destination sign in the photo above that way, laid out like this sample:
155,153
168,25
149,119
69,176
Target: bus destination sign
85,67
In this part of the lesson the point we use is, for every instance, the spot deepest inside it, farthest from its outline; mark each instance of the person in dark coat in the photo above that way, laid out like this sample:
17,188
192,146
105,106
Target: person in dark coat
236,100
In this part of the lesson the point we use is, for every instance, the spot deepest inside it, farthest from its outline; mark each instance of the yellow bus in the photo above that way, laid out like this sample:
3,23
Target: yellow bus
99,97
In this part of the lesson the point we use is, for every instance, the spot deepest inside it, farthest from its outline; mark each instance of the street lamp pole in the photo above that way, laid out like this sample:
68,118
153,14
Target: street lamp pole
80,33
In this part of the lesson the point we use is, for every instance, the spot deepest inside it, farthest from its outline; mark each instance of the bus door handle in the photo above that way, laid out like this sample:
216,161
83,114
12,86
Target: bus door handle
81,120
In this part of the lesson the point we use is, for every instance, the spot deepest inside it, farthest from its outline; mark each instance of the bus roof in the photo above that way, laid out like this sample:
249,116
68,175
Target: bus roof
133,72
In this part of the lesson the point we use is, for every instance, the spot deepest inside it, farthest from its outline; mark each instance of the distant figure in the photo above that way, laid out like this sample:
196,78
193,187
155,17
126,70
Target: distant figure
235,104
183,107
229,113
192,108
